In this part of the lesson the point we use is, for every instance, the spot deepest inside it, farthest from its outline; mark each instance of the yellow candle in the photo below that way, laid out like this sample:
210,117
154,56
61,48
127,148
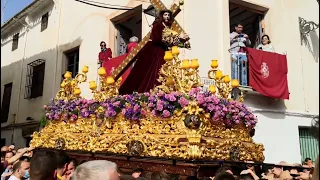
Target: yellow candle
185,64
194,64
175,51
214,64
110,80
92,85
168,56
218,74
68,75
226,79
102,71
85,69
235,83
212,89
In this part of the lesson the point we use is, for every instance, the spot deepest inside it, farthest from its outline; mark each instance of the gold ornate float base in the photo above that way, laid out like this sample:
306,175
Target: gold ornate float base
158,137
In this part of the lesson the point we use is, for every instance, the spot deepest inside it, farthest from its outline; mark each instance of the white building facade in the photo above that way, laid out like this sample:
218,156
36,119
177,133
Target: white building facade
32,66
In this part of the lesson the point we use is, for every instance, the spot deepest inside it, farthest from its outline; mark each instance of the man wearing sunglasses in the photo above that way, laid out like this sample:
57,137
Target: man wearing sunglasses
105,53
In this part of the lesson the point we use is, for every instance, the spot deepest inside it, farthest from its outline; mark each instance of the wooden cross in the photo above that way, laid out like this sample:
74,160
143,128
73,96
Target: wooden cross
158,5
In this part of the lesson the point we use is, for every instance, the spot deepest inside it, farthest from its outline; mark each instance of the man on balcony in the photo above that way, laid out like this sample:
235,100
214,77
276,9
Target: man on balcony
238,41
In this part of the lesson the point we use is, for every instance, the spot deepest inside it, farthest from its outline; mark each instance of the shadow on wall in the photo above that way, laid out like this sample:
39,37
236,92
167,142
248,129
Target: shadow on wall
17,74
311,41
264,103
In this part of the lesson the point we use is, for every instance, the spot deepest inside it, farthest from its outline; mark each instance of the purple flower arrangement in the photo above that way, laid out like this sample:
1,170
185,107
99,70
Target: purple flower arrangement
135,106
164,105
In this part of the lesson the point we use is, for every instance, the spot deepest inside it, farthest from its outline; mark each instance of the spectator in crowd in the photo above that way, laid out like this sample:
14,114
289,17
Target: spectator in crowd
94,170
4,148
9,155
137,172
265,44
62,163
248,174
43,166
308,162
7,173
133,42
276,171
238,41
72,164
20,170
13,159
11,148
224,176
105,53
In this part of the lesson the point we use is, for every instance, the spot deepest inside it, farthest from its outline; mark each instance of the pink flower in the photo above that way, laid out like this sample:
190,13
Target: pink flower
57,116
200,99
224,109
146,94
123,111
183,102
150,105
211,107
116,104
44,106
74,117
166,113
136,108
151,98
153,113
160,106
160,94
170,97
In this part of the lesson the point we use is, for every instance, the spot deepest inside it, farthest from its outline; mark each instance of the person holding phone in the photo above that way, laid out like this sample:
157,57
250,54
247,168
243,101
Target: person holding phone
238,41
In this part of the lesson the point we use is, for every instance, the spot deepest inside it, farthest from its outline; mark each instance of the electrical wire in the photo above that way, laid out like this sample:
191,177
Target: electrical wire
108,6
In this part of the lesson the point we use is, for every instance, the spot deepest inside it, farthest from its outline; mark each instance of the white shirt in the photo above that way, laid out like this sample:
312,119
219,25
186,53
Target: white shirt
12,177
267,47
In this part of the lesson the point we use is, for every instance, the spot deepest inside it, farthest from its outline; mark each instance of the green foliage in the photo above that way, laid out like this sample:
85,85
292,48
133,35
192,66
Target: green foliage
43,121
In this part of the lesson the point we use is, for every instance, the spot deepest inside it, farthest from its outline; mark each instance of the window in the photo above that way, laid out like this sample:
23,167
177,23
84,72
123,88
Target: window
73,61
15,42
309,147
5,107
252,25
44,21
35,79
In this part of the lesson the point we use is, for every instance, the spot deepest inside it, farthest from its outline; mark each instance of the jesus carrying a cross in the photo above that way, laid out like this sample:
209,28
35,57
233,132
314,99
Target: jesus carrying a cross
144,75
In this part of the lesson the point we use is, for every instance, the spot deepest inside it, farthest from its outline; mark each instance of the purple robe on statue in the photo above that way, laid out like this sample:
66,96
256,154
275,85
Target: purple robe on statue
149,60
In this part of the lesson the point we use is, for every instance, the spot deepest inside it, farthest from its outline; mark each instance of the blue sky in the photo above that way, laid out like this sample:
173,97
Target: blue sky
12,7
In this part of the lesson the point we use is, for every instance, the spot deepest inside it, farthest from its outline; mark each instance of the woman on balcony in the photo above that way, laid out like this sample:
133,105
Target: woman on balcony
116,61
266,44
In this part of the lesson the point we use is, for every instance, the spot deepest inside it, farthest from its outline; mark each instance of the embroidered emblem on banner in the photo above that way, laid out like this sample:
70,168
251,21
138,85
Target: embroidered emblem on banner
112,69
264,70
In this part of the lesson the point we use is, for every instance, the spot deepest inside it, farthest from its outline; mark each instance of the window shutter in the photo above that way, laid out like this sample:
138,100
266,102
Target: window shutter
309,147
